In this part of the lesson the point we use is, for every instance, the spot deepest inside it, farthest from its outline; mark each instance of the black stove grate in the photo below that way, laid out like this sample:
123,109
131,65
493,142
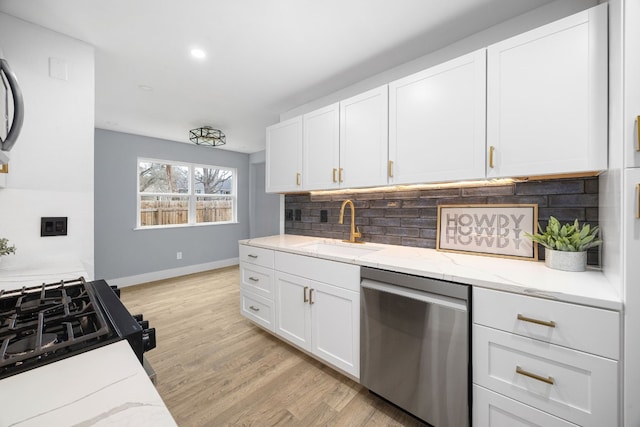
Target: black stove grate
43,321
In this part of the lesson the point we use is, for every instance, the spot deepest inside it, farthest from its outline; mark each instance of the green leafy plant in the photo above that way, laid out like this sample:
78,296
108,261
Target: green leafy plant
566,238
5,249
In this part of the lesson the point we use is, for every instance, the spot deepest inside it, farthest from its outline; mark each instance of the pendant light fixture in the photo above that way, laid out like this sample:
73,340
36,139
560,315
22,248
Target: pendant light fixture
207,135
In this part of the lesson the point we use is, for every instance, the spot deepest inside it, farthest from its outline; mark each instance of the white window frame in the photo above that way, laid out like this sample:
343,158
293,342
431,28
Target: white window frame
191,194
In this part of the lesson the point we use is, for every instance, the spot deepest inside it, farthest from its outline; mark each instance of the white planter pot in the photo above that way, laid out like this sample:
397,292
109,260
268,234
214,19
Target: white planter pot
566,261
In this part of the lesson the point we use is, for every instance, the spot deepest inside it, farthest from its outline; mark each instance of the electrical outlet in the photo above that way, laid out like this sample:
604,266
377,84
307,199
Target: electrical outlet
178,255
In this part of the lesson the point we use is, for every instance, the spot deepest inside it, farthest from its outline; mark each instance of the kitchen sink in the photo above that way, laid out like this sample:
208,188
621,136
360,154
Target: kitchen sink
339,249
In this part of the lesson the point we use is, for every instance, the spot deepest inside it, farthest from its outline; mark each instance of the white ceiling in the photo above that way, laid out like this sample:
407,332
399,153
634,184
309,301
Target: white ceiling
264,57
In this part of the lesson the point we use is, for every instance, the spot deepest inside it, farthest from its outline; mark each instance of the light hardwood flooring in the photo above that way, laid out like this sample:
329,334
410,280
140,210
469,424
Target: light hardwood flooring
215,368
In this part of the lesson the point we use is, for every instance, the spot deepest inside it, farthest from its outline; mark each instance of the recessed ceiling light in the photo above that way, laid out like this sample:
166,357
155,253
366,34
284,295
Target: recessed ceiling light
198,53
145,88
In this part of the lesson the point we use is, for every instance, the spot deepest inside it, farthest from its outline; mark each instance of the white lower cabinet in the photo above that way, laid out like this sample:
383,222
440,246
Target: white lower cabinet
522,377
312,303
319,318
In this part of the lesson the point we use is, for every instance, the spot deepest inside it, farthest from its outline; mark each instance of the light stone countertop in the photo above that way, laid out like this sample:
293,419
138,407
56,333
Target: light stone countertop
531,278
103,387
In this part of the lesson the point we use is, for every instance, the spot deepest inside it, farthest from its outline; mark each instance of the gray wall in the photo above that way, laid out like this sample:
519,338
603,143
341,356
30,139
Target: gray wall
121,251
265,207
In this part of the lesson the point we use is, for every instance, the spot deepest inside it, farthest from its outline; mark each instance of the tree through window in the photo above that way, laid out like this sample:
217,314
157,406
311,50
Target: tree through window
172,194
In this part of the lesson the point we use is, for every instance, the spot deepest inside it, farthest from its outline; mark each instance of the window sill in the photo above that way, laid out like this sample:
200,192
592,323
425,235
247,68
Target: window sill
163,227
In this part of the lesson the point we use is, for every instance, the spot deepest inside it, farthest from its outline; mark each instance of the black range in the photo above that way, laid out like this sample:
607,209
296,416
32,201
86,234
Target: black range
46,323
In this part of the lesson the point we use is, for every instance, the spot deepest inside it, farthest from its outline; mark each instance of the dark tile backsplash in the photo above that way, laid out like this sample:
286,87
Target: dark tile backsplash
409,218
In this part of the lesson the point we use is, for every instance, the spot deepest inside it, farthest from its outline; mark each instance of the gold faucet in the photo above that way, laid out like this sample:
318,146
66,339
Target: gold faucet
354,233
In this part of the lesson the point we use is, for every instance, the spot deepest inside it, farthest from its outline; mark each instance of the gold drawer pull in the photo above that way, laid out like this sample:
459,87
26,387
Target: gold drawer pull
252,256
548,380
305,294
491,150
311,295
340,172
298,178
390,169
549,323
254,279
254,308
334,175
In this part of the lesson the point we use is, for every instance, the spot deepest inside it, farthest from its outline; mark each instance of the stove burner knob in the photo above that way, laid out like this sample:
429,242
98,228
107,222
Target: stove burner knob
144,324
149,339
138,317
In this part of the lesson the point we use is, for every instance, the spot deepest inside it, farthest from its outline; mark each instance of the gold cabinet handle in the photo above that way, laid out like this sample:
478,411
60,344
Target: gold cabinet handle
549,323
311,295
254,279
298,178
254,308
305,294
638,135
638,201
340,172
390,169
252,256
548,380
491,150
334,175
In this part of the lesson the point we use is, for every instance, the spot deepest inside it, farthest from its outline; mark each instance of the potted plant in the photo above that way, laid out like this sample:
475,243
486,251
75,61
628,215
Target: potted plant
5,249
566,245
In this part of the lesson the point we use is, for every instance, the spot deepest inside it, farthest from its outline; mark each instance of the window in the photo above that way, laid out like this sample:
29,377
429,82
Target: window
172,194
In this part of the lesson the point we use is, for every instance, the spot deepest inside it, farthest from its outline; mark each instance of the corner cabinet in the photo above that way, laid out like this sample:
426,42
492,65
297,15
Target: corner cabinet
364,135
547,362
284,156
437,122
547,98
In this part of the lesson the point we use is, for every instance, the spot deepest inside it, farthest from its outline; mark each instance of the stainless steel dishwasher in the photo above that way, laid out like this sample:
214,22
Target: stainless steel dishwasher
414,344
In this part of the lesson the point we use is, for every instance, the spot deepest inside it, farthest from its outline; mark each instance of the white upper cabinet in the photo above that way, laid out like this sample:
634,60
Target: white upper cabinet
547,98
632,85
321,148
437,122
364,139
284,156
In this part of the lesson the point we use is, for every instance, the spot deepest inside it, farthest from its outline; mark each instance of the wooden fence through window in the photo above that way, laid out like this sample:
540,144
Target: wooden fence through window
168,212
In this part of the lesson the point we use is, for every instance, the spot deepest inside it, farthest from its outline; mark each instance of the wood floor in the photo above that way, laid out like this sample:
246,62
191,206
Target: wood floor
215,368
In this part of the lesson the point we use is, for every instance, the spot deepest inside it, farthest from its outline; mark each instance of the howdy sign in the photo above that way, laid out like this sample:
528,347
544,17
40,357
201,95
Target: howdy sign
496,230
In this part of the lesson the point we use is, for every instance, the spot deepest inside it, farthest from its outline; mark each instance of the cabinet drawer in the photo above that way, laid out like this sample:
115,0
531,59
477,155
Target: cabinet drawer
257,256
495,410
257,308
256,279
583,388
583,328
346,276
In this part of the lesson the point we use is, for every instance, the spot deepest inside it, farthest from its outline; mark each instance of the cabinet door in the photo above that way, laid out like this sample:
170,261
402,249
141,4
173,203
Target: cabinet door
335,319
547,98
293,316
631,239
284,156
437,122
321,148
631,84
364,139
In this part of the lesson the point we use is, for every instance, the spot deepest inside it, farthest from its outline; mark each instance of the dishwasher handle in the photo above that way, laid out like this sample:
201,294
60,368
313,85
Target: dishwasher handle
426,297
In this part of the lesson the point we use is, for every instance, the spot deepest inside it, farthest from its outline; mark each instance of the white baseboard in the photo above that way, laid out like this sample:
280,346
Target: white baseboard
123,282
